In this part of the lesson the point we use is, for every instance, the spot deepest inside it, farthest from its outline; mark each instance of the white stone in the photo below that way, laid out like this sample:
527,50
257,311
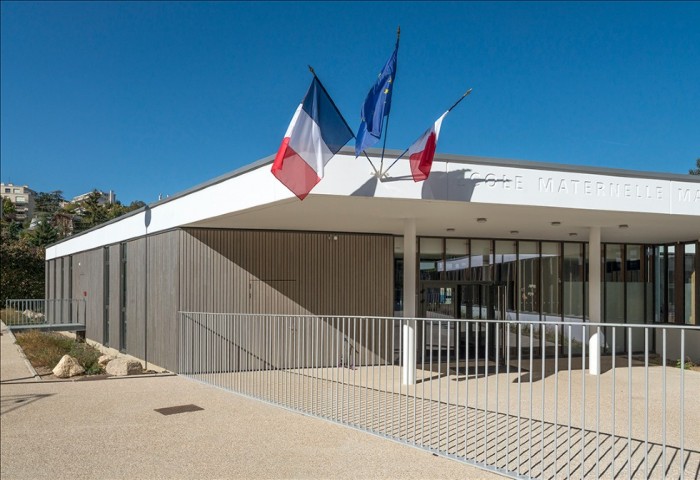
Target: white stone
124,366
68,367
105,359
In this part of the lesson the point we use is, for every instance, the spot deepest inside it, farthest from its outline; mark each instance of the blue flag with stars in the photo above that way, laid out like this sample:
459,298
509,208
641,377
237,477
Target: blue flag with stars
376,106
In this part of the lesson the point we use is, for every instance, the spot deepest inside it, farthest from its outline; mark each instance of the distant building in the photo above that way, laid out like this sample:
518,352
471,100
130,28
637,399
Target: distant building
22,197
106,198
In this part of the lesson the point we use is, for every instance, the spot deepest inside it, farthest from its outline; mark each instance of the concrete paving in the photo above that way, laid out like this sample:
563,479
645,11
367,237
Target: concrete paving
109,429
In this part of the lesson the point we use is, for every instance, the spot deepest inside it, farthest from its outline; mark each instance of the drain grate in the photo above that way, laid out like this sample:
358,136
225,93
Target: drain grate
178,409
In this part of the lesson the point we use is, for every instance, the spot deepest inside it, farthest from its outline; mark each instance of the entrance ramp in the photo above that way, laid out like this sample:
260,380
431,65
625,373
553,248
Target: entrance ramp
56,315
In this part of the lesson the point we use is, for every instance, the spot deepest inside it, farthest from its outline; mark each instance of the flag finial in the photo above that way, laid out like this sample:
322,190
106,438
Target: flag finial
311,69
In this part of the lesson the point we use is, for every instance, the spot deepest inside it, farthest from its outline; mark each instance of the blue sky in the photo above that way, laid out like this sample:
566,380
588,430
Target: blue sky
153,98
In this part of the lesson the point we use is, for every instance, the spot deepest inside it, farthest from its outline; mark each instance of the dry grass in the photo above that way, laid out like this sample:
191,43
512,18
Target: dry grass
46,350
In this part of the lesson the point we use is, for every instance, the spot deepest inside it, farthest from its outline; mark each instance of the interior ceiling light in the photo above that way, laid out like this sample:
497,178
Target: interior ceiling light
514,232
573,234
624,225
555,224
450,229
481,220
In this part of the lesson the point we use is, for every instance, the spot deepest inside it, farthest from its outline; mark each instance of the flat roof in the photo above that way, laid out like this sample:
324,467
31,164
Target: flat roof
349,180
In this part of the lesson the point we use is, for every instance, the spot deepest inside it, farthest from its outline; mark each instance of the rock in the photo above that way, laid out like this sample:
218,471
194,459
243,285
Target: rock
124,366
105,359
68,367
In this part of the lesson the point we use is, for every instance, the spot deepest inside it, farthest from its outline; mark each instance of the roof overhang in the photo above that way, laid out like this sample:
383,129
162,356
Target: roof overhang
519,200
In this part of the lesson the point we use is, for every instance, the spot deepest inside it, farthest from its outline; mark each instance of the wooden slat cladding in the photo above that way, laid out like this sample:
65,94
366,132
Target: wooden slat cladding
232,271
160,296
163,298
88,283
235,271
135,266
114,293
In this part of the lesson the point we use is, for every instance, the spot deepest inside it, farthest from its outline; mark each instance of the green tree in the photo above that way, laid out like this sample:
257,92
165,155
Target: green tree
91,212
695,171
8,209
21,269
48,202
42,234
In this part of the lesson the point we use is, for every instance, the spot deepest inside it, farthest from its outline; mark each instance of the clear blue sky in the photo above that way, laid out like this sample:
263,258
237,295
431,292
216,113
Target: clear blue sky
149,98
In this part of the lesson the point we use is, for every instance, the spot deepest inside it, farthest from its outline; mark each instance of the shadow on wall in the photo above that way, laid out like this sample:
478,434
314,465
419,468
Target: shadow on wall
455,186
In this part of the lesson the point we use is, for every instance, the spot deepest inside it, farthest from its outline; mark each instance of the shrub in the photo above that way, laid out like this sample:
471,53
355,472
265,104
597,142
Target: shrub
46,350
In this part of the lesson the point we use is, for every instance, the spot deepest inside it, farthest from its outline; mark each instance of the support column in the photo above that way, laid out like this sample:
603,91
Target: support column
594,298
408,330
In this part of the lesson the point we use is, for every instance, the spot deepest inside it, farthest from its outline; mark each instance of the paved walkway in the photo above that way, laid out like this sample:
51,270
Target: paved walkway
109,429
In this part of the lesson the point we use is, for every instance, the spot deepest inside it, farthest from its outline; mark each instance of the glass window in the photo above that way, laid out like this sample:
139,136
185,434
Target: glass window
431,263
671,283
456,259
505,263
481,261
614,294
398,276
689,281
528,280
550,296
573,270
660,284
634,289
574,300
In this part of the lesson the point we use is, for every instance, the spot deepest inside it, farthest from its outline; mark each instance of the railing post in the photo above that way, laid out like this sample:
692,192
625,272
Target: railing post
594,296
408,327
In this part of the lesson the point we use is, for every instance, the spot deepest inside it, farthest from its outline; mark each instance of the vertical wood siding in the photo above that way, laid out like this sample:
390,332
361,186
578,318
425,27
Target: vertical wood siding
232,271
114,295
87,283
135,296
163,298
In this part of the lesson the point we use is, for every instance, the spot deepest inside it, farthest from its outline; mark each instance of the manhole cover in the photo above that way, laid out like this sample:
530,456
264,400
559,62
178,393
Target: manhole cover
178,409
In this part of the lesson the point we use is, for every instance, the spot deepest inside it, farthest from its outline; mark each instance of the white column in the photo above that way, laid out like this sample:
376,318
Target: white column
408,331
594,296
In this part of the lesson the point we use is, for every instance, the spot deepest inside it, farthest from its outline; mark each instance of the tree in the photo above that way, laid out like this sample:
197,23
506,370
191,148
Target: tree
91,212
695,171
21,269
42,234
48,202
8,210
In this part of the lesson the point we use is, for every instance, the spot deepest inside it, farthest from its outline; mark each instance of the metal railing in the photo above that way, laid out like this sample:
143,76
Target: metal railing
42,312
511,397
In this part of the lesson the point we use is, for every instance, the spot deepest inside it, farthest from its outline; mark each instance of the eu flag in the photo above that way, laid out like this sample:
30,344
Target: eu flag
376,106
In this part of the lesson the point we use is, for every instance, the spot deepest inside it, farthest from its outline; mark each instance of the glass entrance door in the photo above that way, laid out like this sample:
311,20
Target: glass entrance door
480,301
469,301
439,305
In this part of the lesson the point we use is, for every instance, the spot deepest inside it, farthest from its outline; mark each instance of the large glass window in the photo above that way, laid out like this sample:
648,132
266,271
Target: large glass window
398,276
574,301
456,259
528,280
671,283
481,261
551,257
431,263
505,265
614,293
689,281
634,291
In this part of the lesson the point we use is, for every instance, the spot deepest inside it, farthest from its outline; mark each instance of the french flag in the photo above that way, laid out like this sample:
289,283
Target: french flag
317,132
421,153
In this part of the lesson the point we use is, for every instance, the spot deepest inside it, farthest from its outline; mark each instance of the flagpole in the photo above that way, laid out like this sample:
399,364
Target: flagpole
386,125
311,69
448,111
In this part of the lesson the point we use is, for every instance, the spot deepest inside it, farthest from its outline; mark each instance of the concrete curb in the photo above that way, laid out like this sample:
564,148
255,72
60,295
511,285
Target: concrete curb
6,331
